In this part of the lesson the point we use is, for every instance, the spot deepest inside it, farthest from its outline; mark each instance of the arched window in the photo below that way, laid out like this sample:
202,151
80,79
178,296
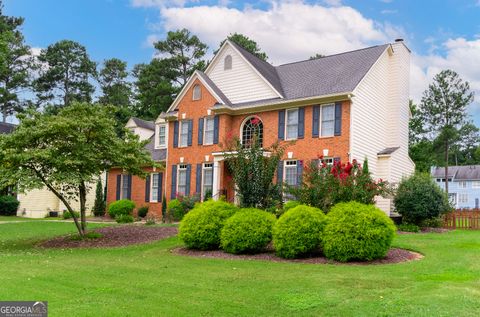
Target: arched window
252,129
227,63
197,92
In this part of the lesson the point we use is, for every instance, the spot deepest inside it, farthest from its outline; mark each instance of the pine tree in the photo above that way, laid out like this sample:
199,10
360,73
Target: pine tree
99,205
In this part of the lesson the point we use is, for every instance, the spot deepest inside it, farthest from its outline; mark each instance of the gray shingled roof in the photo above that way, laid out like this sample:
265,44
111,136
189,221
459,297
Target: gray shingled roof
6,128
157,154
459,173
388,150
214,87
150,125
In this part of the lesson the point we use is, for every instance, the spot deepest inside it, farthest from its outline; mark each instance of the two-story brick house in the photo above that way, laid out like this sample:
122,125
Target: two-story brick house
343,106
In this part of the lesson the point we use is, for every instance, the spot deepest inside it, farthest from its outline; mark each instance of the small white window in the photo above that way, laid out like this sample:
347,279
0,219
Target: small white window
327,160
462,184
182,179
197,92
209,126
227,63
292,124
125,186
154,187
291,173
162,135
462,198
184,133
327,121
207,179
476,184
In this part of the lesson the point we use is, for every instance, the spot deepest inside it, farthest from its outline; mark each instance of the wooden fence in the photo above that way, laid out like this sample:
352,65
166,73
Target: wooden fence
462,219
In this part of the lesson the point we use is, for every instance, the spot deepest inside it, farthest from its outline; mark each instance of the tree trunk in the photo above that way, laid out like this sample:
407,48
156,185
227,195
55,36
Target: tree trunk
446,167
4,116
83,197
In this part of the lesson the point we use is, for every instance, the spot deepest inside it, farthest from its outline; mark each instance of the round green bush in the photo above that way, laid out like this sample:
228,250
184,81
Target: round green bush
248,231
124,219
418,198
176,210
142,211
68,215
201,227
8,205
298,231
121,207
356,231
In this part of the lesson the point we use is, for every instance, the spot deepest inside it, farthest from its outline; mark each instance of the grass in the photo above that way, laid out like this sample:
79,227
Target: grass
147,280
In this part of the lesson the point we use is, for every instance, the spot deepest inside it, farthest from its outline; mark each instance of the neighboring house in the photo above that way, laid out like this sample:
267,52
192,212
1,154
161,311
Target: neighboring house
148,191
463,184
344,106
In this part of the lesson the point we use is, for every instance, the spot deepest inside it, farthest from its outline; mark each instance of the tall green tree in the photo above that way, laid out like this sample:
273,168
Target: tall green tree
184,53
420,148
15,64
67,151
248,44
444,112
154,89
316,56
66,72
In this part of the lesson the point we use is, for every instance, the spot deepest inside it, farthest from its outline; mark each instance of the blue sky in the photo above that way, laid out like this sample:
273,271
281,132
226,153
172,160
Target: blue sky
441,34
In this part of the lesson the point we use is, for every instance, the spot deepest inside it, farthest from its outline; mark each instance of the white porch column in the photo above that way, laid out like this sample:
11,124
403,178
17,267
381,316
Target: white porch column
216,179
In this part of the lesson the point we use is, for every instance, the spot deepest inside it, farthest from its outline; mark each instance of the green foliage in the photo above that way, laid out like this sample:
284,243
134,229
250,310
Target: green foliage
247,43
436,222
99,204
356,231
175,210
8,205
150,218
248,231
298,231
142,211
418,198
68,215
124,218
291,204
201,227
121,207
408,227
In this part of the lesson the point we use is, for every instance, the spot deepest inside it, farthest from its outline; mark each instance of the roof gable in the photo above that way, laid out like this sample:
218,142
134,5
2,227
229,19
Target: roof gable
6,128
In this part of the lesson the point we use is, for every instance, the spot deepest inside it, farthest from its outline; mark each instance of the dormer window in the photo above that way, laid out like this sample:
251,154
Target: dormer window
162,135
227,63
197,92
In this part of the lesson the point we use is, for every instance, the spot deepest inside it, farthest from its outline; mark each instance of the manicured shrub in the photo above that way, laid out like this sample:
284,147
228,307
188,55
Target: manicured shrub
298,231
201,227
121,207
356,231
124,219
432,223
8,205
418,198
68,215
408,227
142,211
175,210
99,204
290,204
248,231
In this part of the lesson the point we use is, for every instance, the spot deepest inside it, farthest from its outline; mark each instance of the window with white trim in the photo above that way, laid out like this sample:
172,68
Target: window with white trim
183,133
227,62
291,173
462,184
207,179
208,130
197,92
182,179
327,160
476,184
291,125
252,128
154,188
327,120
162,135
462,198
124,187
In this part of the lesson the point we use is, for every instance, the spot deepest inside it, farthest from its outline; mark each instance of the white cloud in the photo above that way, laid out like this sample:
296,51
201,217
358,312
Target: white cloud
334,3
387,11
158,3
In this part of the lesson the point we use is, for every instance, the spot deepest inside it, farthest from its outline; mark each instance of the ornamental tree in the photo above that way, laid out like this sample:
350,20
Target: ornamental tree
66,152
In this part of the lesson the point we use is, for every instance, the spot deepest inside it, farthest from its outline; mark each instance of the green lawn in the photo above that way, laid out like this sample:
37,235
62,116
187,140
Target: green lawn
148,280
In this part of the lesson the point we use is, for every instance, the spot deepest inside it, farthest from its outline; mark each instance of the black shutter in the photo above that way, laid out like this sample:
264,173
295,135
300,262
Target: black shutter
147,188
301,123
200,131
216,123
338,119
187,188
280,172
299,172
281,125
198,182
315,121
190,132
173,192
160,187
175,134
129,192
119,187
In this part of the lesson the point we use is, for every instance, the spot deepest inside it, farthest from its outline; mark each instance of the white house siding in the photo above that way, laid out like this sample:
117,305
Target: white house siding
241,83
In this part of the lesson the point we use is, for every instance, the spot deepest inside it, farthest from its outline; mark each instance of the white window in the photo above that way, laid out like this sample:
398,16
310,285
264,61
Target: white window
476,184
327,121
125,186
197,92
182,179
227,63
292,124
209,125
154,188
462,184
207,179
162,135
291,173
327,160
462,198
184,133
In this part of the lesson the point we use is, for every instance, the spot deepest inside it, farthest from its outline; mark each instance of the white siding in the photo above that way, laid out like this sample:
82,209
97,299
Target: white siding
241,83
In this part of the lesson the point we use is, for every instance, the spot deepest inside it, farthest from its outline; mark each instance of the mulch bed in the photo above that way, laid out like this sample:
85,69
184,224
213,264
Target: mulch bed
394,255
116,236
